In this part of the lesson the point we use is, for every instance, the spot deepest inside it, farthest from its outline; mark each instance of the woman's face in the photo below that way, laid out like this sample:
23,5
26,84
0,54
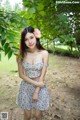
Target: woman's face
30,40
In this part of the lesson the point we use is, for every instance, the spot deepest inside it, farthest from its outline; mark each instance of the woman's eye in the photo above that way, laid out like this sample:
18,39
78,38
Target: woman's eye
25,39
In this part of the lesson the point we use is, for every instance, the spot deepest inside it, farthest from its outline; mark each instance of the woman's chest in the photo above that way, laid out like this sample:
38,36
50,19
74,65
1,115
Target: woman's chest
33,62
33,58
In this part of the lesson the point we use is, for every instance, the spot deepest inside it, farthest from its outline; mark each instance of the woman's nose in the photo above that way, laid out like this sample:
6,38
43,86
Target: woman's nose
30,41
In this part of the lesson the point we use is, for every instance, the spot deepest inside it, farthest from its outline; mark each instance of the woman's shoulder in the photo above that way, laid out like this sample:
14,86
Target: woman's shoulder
44,52
18,57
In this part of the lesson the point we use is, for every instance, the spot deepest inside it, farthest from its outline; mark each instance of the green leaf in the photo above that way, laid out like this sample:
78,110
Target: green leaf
18,55
3,42
6,46
17,48
0,56
57,27
11,38
57,39
42,13
31,10
1,48
7,50
63,17
40,6
9,54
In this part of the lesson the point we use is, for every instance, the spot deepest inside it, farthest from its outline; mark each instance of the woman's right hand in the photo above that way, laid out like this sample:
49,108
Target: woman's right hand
39,84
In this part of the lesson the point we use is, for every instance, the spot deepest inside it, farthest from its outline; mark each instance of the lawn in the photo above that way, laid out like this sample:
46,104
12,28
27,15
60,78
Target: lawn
7,65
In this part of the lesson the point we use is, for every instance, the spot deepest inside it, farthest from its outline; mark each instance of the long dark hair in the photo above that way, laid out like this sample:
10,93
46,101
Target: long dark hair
23,47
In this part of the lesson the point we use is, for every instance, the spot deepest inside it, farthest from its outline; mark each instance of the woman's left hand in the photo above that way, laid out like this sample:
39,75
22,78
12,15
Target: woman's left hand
35,97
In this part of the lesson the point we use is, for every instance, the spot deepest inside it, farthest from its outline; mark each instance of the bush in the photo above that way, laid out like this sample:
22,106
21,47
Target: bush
64,52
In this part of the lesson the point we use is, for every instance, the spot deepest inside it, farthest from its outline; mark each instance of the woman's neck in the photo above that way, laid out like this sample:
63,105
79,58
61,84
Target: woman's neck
34,50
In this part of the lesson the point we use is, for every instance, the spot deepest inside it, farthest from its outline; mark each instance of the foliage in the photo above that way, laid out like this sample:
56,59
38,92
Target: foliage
56,22
11,24
64,52
72,10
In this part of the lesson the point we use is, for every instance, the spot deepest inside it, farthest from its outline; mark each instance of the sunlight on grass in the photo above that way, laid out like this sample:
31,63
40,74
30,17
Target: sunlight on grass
10,65
62,46
7,65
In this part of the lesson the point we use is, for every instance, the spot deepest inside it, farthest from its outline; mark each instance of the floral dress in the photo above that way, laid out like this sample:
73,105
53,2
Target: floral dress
26,90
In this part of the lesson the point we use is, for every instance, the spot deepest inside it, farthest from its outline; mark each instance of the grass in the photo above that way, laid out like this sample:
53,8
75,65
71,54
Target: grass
7,65
10,66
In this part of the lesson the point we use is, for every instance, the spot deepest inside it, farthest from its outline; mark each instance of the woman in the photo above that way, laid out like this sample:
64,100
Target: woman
32,67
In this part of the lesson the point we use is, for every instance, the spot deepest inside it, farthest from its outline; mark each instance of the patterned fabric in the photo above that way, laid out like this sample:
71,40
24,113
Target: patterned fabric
26,90
31,70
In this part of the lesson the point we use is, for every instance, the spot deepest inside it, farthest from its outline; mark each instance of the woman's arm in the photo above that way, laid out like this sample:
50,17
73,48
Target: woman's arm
44,70
24,77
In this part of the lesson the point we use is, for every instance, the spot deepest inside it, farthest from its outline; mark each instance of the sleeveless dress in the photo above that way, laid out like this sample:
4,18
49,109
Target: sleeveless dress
26,90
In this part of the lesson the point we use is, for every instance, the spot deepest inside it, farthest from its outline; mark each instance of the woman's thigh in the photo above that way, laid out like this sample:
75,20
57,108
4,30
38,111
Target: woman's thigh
38,113
27,114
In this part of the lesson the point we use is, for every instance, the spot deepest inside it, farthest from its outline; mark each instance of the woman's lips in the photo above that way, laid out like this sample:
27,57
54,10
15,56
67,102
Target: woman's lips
31,44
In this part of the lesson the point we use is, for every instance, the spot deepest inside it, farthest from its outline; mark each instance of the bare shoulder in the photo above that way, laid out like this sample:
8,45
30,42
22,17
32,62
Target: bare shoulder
45,53
18,59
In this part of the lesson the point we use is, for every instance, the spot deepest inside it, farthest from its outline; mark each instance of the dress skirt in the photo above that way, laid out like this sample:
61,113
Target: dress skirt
24,97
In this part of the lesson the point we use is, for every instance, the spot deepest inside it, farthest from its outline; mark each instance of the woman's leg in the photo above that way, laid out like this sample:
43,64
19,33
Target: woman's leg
38,114
27,114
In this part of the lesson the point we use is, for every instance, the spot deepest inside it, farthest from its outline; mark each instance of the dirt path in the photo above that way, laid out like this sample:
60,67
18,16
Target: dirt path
63,82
